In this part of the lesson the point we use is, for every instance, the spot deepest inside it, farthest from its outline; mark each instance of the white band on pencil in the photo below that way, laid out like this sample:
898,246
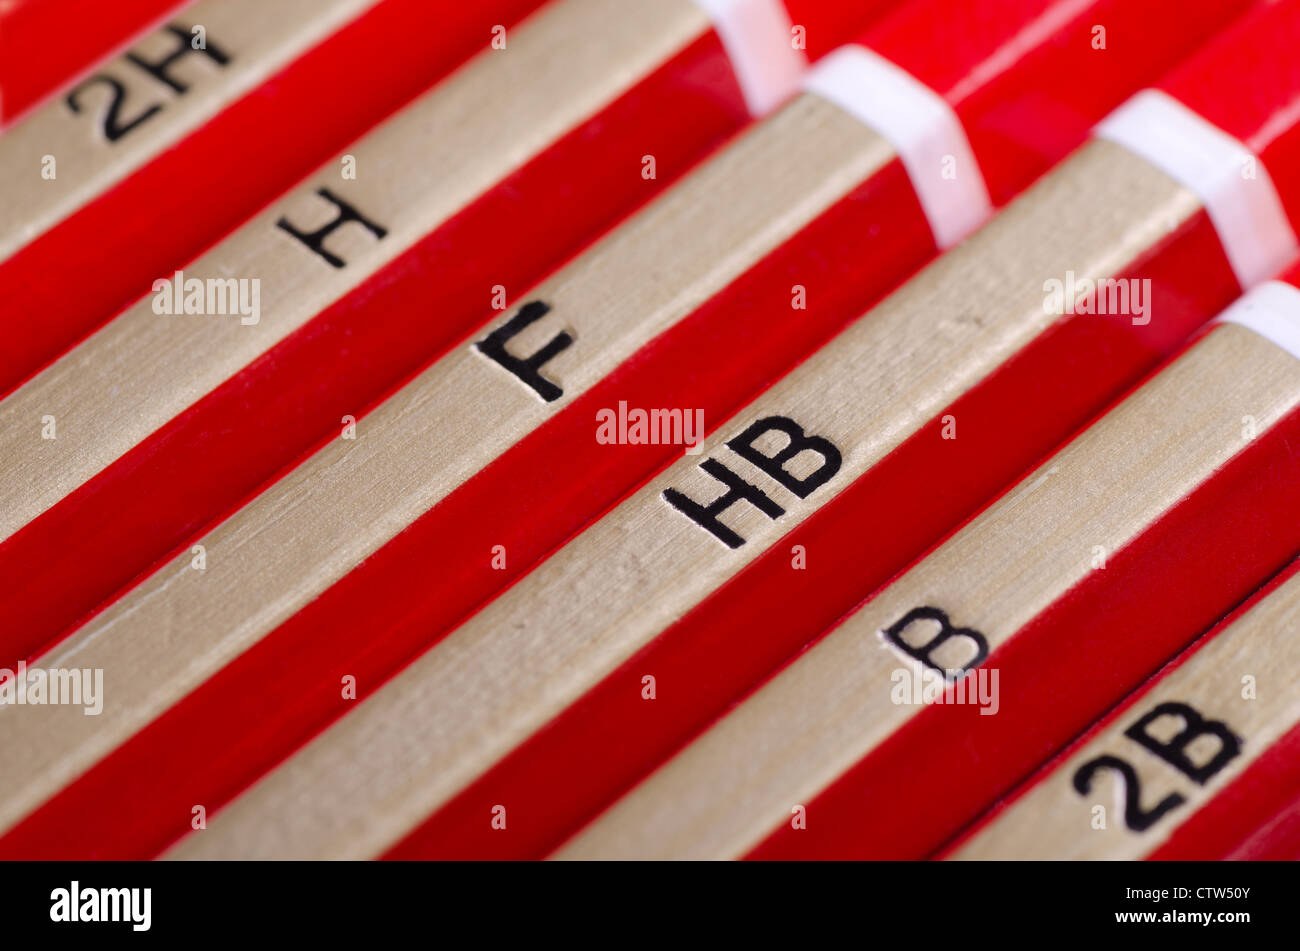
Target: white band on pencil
1232,184
759,40
925,132
1272,310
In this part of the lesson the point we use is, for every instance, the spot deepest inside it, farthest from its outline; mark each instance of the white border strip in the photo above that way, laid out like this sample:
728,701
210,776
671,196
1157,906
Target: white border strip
758,37
923,129
1246,212
1272,310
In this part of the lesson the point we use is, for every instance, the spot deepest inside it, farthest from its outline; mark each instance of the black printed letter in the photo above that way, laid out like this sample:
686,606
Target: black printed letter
316,240
743,446
923,652
159,69
1174,752
706,516
527,369
114,125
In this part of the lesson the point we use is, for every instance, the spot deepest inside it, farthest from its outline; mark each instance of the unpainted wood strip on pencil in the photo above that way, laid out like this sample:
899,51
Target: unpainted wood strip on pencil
412,173
454,712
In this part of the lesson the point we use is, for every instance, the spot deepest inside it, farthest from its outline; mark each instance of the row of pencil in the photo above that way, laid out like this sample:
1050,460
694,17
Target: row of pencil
707,428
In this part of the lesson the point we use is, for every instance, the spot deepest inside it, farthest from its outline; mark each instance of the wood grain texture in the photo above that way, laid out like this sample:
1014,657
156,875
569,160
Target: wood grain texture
306,531
782,746
1054,821
454,712
259,38
413,172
